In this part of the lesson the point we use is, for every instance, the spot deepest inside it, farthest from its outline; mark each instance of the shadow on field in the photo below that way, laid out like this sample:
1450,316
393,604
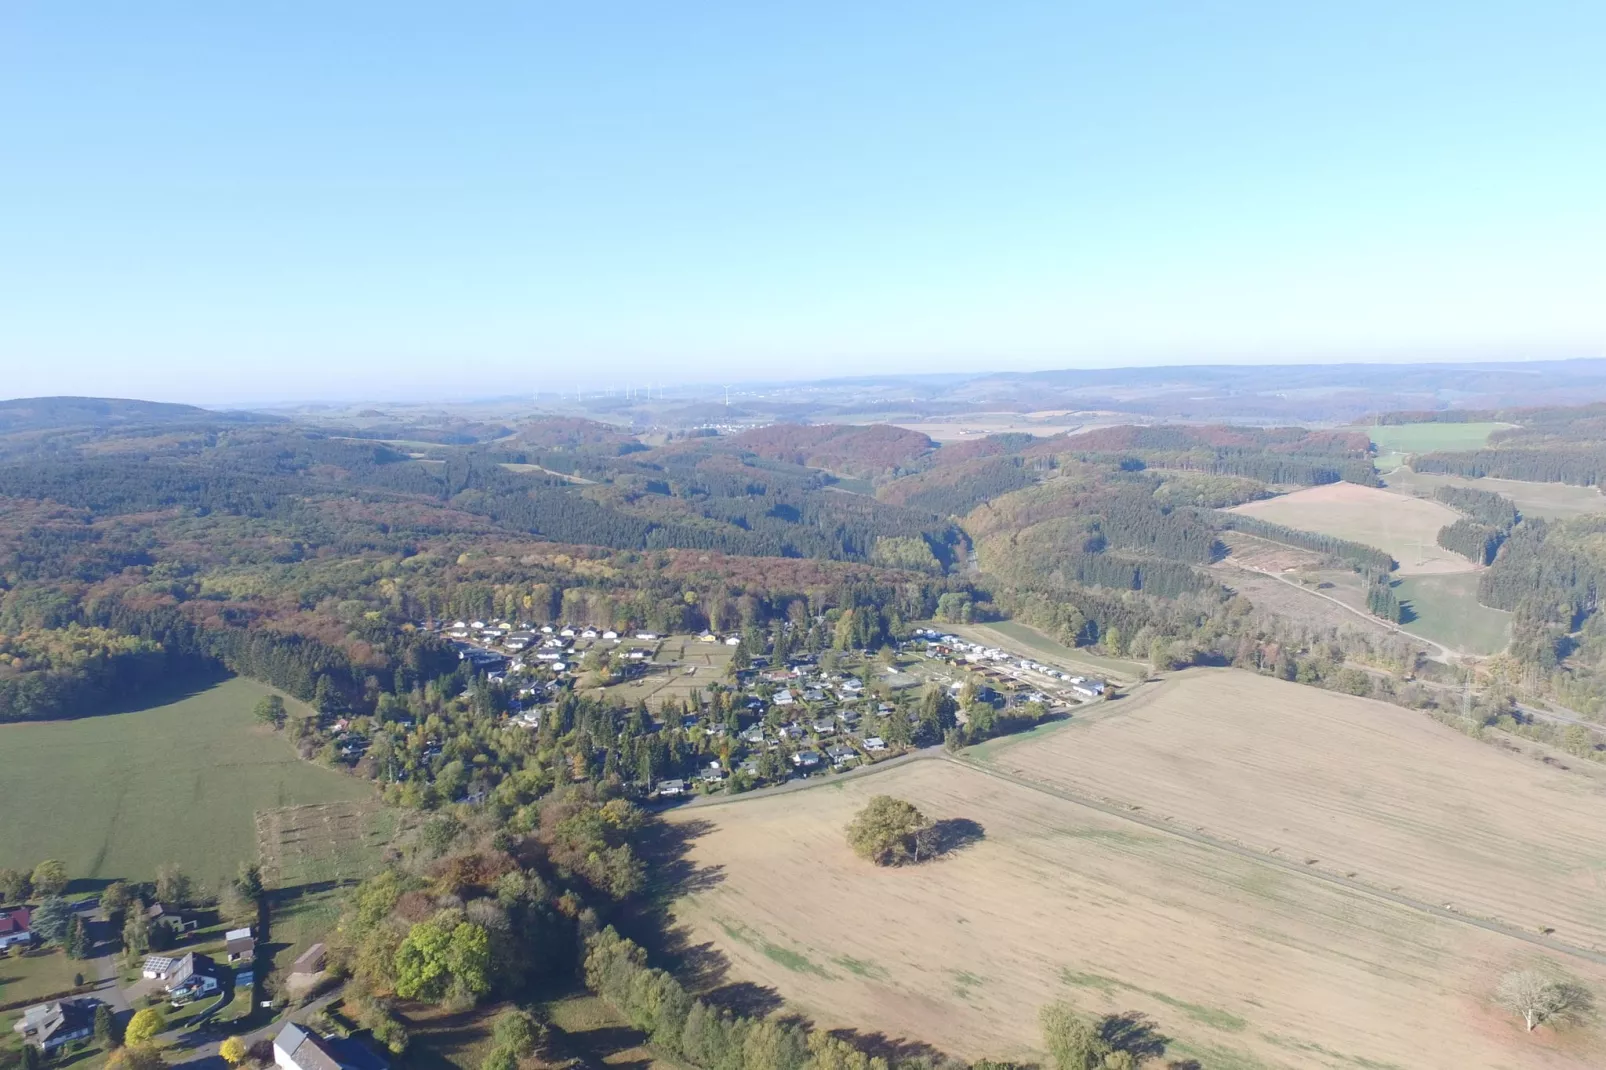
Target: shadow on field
1133,1032
188,680
745,998
892,1049
951,834
665,848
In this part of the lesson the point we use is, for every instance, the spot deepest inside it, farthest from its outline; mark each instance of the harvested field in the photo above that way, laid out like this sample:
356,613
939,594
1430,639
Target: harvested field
1351,786
1551,501
1241,962
1405,527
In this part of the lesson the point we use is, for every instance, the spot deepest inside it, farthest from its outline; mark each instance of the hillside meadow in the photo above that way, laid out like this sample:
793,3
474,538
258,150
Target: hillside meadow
1235,930
1551,501
116,795
1405,527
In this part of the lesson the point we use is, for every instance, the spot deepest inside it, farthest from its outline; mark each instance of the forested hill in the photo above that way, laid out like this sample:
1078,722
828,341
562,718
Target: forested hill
39,414
308,554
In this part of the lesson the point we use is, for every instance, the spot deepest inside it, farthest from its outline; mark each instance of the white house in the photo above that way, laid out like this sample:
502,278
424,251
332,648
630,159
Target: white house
297,1048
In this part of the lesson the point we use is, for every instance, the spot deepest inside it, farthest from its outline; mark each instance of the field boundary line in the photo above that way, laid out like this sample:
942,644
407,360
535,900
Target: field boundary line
1349,884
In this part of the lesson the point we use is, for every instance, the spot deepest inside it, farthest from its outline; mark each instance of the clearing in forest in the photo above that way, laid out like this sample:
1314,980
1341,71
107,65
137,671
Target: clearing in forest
1245,956
1550,501
1404,527
1424,438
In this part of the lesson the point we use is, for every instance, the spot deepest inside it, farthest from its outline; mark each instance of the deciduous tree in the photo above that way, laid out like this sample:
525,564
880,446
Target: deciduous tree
1538,997
49,878
233,1051
887,831
145,1026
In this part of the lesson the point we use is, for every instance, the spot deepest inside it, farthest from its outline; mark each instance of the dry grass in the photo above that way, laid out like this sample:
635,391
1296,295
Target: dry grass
667,674
1244,961
1552,501
1405,527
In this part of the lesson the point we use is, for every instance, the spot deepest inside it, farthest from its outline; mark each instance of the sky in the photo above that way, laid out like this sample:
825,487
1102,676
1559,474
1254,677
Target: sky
293,201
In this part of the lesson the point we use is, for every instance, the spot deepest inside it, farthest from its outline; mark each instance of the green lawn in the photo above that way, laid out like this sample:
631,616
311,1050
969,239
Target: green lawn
120,794
1447,611
1423,438
36,976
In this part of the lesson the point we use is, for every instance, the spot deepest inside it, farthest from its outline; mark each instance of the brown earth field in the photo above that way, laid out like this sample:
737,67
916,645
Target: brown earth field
1211,891
1405,527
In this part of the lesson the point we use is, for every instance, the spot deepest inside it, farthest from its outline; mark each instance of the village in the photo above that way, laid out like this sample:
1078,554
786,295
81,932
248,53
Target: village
744,721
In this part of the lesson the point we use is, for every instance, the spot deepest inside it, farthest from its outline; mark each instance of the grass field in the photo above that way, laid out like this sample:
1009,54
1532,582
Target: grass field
668,677
1446,610
1244,961
1021,637
1407,528
118,795
1551,501
310,855
1423,438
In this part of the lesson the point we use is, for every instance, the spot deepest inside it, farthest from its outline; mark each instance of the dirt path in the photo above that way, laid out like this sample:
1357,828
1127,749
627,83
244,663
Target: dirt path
1444,652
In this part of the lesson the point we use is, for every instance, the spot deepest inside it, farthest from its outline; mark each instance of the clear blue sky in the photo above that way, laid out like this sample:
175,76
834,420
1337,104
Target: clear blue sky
234,202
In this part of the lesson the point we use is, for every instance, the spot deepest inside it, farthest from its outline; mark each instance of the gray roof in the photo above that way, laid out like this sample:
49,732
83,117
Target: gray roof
304,1050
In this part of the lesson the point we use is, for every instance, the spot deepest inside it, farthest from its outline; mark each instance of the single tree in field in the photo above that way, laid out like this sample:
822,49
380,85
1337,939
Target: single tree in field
270,710
1538,997
233,1051
49,878
145,1026
887,831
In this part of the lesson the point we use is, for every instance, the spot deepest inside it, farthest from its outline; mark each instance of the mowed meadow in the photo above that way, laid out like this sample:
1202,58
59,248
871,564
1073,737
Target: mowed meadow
118,794
1405,527
1224,888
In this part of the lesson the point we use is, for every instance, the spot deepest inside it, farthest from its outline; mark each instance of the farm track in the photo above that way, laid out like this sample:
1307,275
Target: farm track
1126,813
1444,654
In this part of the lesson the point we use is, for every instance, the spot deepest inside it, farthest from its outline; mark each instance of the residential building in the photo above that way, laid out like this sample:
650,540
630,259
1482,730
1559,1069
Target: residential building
297,1048
240,945
16,927
49,1026
669,788
194,977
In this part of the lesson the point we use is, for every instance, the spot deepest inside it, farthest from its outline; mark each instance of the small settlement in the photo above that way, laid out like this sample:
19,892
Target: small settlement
738,720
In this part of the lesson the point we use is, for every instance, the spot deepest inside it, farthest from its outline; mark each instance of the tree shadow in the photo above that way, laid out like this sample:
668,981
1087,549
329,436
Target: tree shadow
893,1049
949,835
745,998
1133,1032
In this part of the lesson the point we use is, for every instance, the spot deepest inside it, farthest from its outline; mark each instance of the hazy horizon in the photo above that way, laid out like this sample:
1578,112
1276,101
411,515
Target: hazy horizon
305,203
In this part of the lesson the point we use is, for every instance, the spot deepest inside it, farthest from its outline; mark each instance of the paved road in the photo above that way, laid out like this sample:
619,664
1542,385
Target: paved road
199,1050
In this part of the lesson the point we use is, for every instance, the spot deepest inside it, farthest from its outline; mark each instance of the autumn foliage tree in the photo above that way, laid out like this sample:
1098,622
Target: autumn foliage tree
888,831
